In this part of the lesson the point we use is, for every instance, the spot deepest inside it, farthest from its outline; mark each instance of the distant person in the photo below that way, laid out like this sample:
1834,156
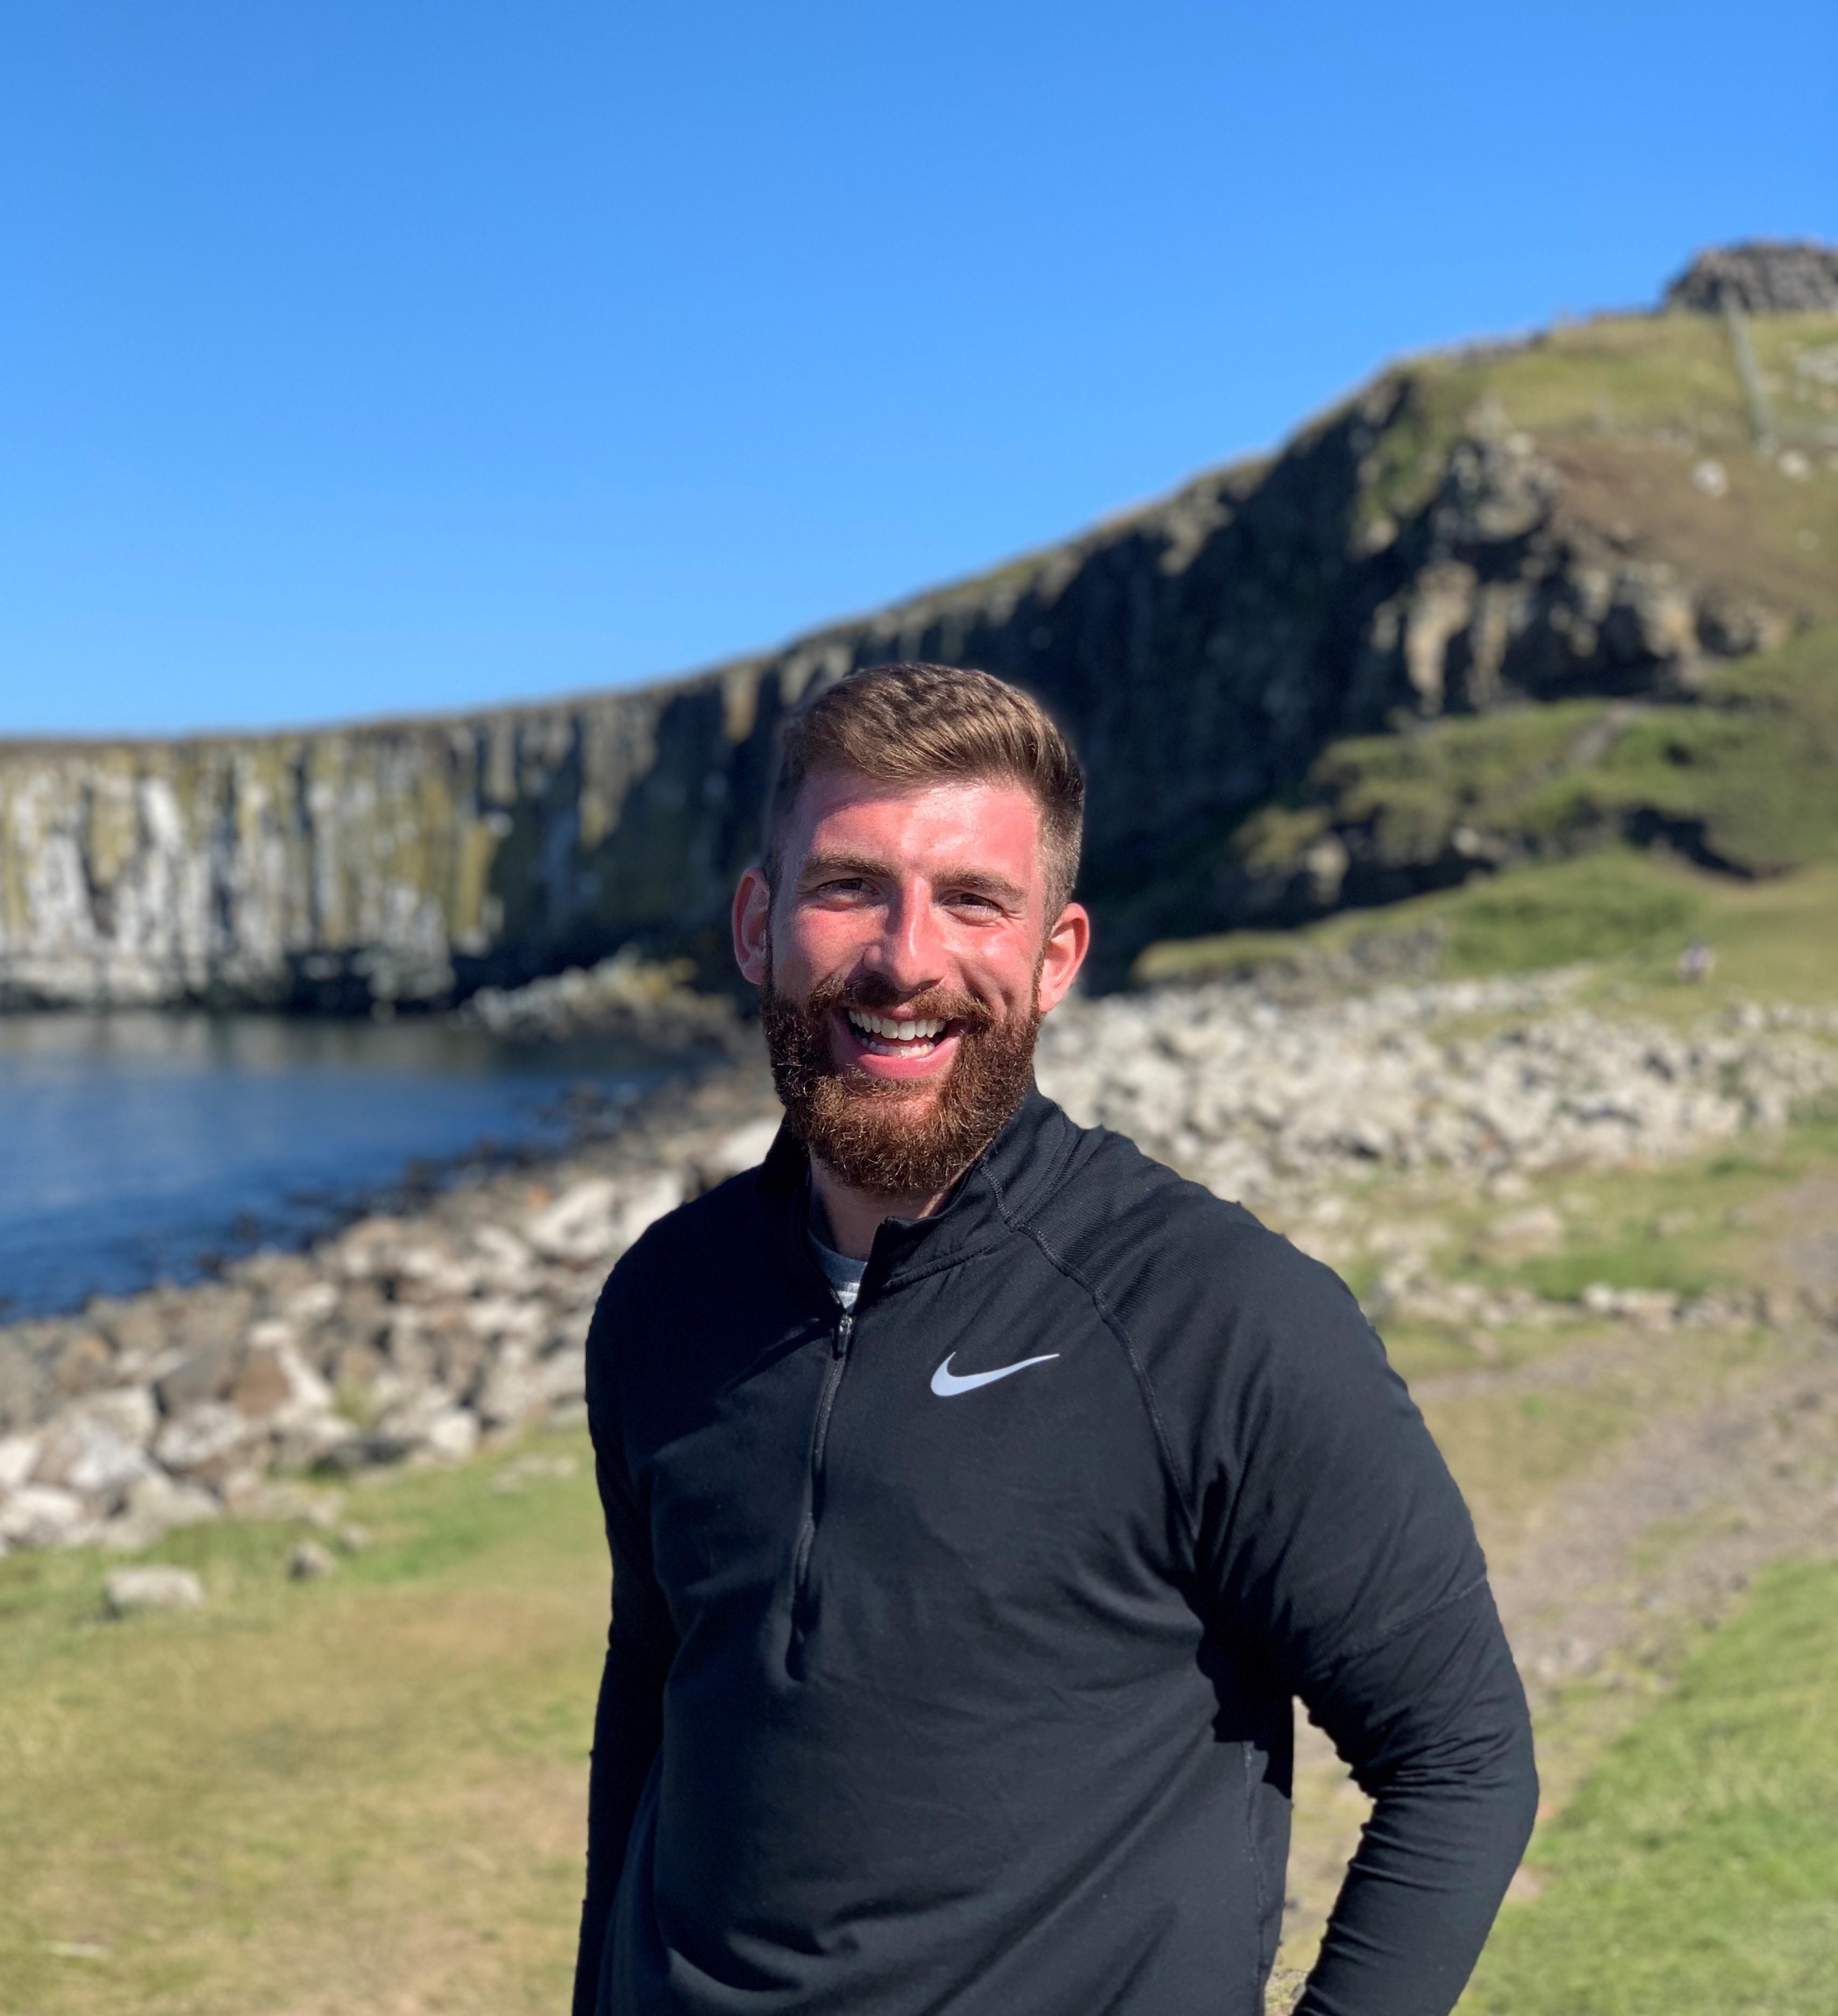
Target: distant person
1697,962
981,1495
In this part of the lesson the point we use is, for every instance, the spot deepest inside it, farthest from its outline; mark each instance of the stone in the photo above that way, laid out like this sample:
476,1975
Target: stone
205,1371
275,1383
85,1363
452,1433
201,1441
744,1148
42,1515
1761,276
136,1326
19,1458
311,1559
128,1590
520,1388
504,1264
86,1452
596,1220
155,1503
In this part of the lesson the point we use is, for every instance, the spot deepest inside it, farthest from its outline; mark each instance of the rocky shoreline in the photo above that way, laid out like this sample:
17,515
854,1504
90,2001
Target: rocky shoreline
416,1336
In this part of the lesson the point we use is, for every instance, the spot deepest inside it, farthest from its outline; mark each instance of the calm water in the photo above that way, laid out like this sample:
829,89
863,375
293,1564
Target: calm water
132,1147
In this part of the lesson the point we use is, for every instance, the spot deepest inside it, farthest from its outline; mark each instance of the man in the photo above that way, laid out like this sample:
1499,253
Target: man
981,1495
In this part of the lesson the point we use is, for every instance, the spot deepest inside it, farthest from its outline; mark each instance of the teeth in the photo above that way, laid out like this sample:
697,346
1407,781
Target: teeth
920,1028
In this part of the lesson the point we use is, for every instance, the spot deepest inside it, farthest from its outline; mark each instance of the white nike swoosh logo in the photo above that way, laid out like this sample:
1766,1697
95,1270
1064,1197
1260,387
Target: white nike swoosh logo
945,1382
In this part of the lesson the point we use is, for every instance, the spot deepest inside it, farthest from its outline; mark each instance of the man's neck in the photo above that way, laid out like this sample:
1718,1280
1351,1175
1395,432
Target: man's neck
854,1215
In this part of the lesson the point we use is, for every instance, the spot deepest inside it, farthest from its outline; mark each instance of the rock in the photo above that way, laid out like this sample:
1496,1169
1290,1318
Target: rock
152,1587
201,1372
153,1505
136,1327
504,1265
310,1560
745,1148
520,1388
86,1452
624,995
1761,276
430,1422
275,1383
203,1441
43,1515
581,1225
310,1305
19,1458
85,1363
452,1433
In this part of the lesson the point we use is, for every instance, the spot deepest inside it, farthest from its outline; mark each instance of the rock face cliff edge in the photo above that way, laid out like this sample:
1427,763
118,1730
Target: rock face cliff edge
1587,512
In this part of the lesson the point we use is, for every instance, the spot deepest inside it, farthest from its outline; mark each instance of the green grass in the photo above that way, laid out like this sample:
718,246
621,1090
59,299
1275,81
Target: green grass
1754,764
1746,776
1697,1872
1629,909
367,1792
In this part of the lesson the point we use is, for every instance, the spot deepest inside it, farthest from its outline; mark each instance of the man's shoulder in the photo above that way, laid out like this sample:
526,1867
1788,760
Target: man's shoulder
1118,1211
673,1254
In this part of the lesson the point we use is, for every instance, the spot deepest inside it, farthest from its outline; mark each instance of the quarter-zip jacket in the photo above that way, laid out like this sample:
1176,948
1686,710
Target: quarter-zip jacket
955,1642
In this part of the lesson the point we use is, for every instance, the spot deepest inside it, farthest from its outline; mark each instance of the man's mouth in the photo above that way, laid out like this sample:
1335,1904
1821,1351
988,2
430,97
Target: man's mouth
895,1036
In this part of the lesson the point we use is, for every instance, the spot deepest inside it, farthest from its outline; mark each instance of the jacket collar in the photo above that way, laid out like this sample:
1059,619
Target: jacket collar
1023,1164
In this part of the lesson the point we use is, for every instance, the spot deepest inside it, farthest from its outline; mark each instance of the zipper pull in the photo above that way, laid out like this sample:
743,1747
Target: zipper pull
845,1325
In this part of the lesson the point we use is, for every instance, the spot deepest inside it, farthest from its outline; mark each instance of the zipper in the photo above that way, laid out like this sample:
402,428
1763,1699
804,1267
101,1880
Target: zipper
832,1378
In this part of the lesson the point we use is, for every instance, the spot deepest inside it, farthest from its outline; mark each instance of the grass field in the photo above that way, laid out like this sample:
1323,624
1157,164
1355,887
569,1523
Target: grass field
1629,911
363,1793
1696,1874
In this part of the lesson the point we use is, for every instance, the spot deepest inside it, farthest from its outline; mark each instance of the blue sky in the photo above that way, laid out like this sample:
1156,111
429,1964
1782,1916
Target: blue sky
365,356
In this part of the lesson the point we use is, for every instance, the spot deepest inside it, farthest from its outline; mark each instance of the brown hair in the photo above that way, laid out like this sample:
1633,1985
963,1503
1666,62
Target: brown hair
916,724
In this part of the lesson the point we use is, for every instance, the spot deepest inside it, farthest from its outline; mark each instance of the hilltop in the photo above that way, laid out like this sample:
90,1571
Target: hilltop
1507,603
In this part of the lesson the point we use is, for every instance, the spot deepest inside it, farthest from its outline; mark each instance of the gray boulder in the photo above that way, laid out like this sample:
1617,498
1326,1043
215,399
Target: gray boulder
152,1587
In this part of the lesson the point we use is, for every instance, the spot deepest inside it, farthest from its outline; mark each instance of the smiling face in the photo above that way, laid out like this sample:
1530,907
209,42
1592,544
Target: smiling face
904,961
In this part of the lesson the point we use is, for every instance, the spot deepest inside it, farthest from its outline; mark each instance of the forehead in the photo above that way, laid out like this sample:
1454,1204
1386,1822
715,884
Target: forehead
993,822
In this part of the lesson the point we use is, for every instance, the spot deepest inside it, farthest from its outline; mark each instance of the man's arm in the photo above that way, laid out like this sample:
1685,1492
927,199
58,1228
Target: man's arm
1333,1529
640,1643
1434,1724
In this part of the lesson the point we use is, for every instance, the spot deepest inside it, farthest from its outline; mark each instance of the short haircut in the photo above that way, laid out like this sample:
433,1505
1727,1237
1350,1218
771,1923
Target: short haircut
917,724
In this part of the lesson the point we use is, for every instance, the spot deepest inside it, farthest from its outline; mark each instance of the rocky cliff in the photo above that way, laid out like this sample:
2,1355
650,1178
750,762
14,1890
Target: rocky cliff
1492,530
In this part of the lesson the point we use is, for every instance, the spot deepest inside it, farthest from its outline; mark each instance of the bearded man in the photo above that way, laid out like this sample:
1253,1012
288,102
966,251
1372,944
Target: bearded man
982,1496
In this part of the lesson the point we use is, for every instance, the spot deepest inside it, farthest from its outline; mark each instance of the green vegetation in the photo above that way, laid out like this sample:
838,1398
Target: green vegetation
1626,406
365,1792
1631,910
1697,1871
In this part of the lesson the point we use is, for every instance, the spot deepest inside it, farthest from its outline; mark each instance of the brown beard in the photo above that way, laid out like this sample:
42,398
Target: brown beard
897,1140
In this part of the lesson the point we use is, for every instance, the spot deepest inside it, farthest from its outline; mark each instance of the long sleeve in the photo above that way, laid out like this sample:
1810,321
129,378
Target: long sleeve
640,1643
1434,1724
1333,1531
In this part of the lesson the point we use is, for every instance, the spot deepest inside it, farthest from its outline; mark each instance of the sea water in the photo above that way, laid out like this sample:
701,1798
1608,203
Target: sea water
141,1146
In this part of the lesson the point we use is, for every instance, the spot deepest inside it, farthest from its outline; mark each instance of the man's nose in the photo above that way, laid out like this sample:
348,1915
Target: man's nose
908,955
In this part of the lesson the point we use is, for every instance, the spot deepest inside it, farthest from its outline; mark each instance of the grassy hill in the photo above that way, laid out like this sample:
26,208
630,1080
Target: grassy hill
1573,822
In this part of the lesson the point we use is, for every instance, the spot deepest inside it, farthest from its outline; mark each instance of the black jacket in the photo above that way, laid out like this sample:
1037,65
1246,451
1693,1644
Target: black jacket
924,1693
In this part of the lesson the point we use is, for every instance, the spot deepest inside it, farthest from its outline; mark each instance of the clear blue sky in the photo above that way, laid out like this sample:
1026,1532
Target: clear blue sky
366,355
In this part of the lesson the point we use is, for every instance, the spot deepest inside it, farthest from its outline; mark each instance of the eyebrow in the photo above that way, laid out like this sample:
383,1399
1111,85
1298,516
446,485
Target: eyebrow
817,866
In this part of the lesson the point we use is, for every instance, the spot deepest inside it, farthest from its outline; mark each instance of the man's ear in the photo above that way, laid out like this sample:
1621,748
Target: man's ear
1067,942
753,924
